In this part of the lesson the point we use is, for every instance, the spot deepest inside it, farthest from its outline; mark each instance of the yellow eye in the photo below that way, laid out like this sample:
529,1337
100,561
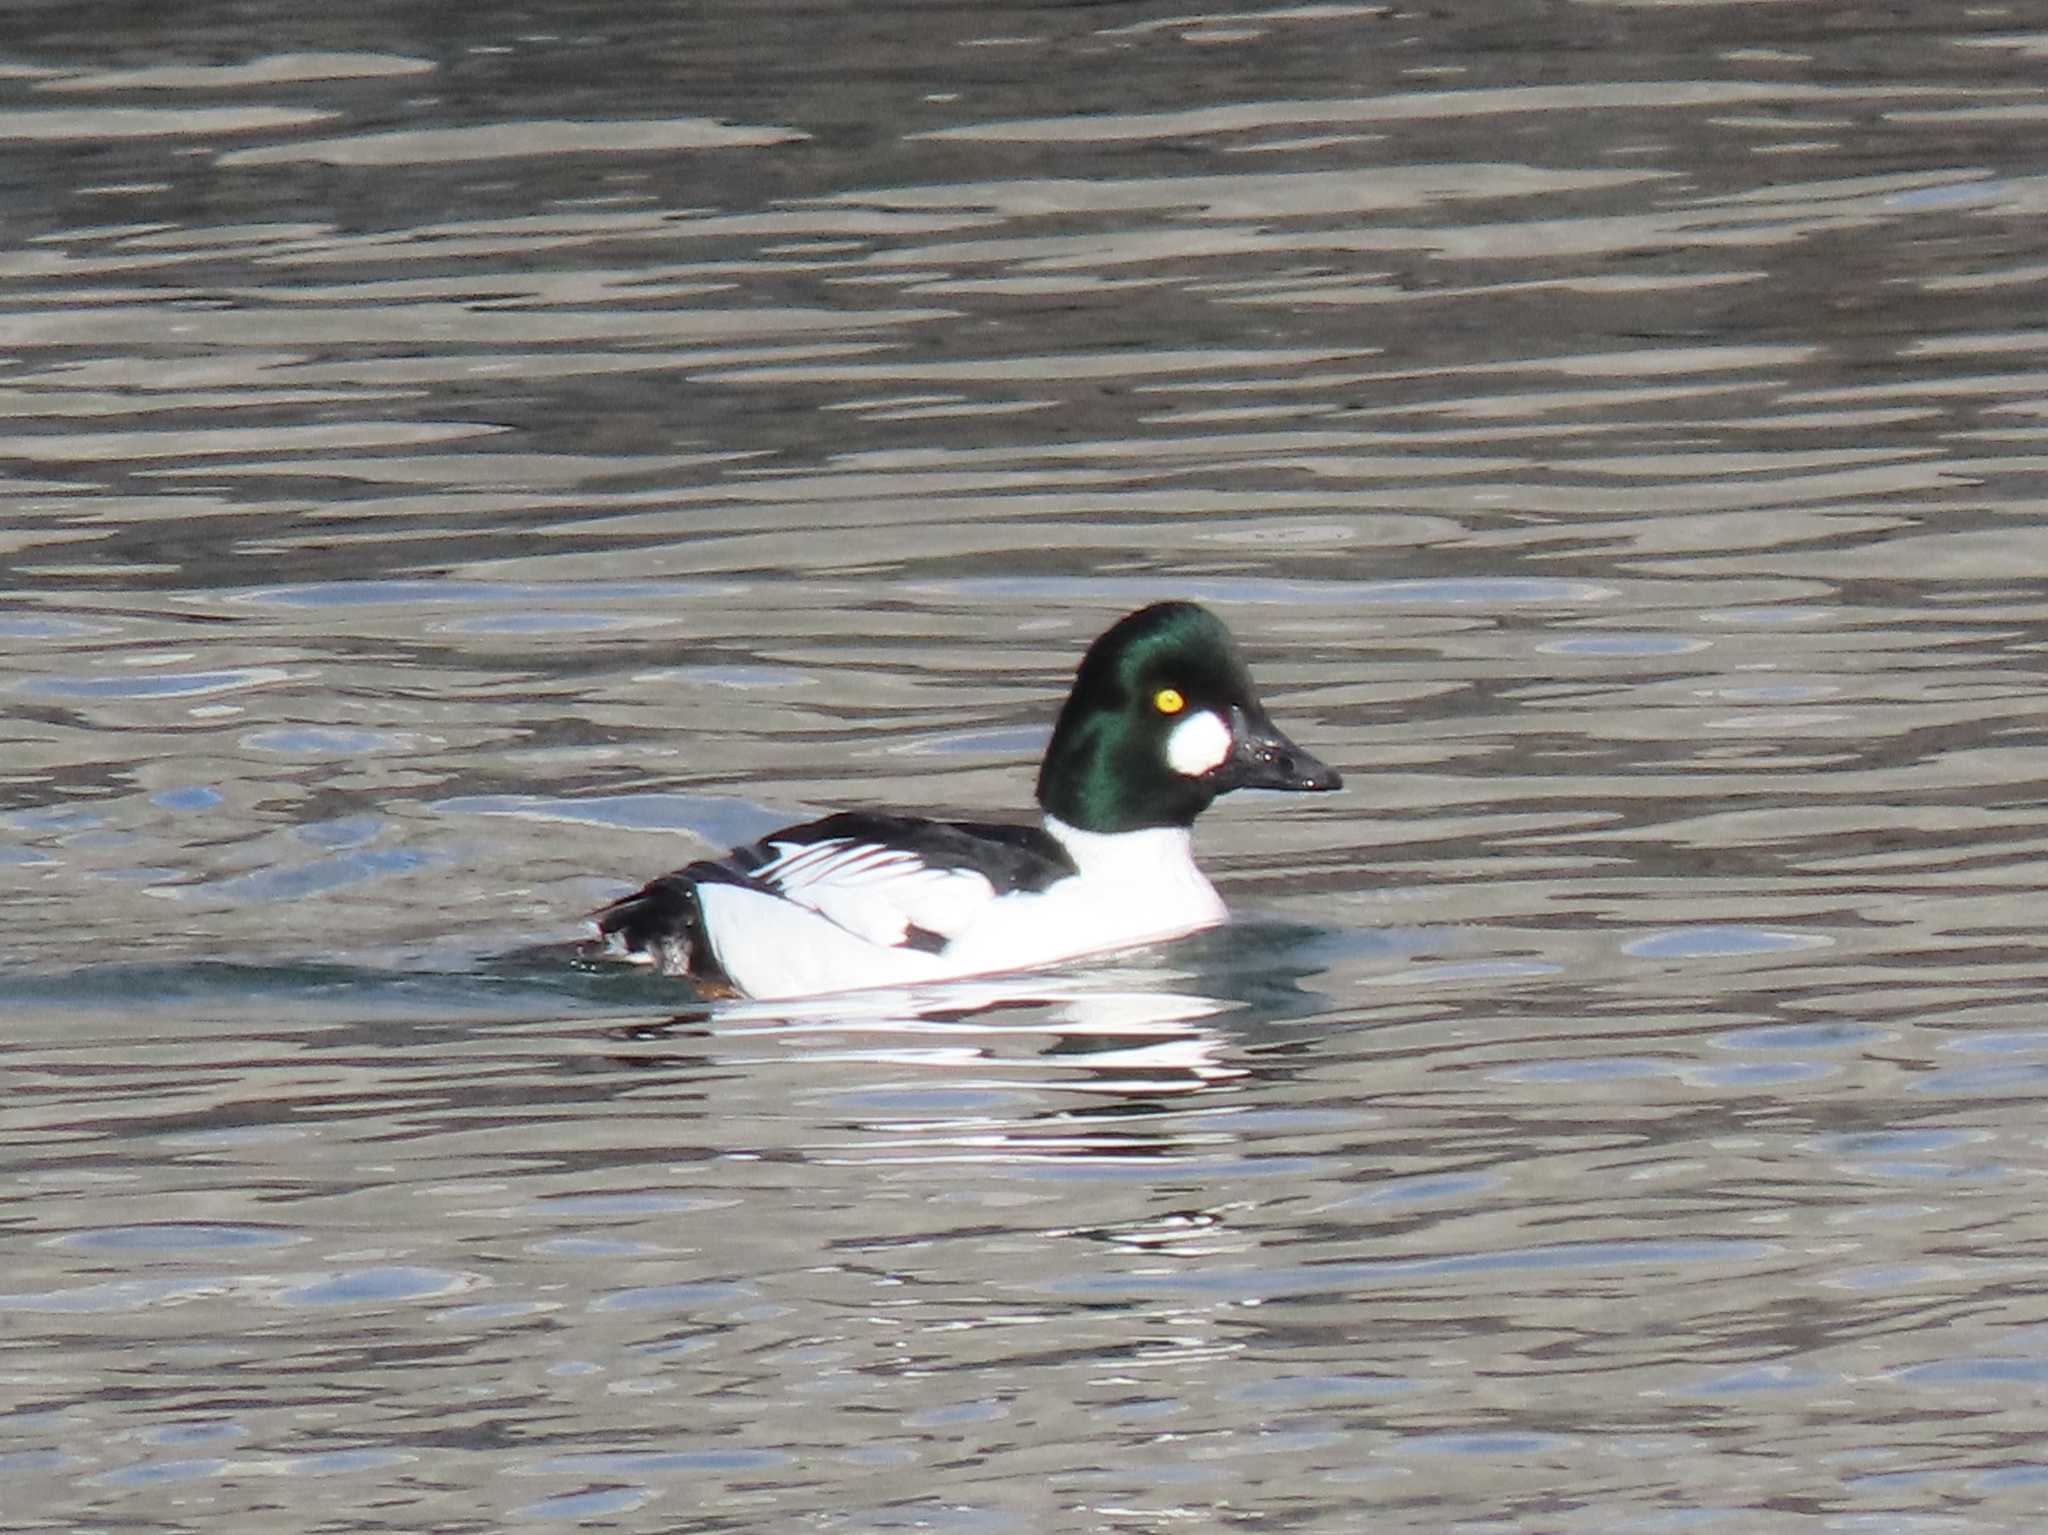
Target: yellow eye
1169,701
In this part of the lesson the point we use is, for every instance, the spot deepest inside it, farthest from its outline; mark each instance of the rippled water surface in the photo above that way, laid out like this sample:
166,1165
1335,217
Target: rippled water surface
459,462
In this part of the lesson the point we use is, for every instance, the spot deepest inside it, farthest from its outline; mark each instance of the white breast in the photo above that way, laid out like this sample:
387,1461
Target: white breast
1132,888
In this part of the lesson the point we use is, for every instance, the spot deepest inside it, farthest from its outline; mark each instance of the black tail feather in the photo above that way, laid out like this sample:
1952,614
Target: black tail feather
664,921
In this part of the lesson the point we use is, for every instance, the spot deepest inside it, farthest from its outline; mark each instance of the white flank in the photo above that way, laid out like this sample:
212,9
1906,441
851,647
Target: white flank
1132,888
775,948
1197,744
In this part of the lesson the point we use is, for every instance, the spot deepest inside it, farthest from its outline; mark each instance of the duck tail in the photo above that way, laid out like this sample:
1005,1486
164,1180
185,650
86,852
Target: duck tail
663,921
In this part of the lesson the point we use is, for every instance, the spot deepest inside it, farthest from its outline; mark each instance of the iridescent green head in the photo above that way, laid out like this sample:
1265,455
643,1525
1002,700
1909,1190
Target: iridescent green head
1162,719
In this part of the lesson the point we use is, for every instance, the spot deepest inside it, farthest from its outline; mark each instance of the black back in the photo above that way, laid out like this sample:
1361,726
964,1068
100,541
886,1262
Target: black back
1010,858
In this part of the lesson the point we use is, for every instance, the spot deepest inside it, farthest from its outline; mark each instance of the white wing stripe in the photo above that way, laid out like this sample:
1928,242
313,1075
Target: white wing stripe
875,891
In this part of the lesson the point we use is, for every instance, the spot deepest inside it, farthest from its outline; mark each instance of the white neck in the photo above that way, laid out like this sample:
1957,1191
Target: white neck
1157,852
1141,885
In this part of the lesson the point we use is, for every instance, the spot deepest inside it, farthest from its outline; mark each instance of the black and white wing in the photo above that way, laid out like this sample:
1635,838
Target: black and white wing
891,881
896,881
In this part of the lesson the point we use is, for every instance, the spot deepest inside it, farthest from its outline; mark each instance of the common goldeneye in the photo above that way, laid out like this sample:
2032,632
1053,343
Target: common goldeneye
1162,719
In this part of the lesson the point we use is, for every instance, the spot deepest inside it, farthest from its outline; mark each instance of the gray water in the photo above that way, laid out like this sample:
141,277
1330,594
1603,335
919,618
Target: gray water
459,462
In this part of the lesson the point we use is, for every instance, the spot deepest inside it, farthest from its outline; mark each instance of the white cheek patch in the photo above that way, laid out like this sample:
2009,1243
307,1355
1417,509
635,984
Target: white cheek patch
1198,744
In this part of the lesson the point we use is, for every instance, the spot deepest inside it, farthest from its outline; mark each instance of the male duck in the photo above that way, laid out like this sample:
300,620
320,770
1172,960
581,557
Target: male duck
1162,719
